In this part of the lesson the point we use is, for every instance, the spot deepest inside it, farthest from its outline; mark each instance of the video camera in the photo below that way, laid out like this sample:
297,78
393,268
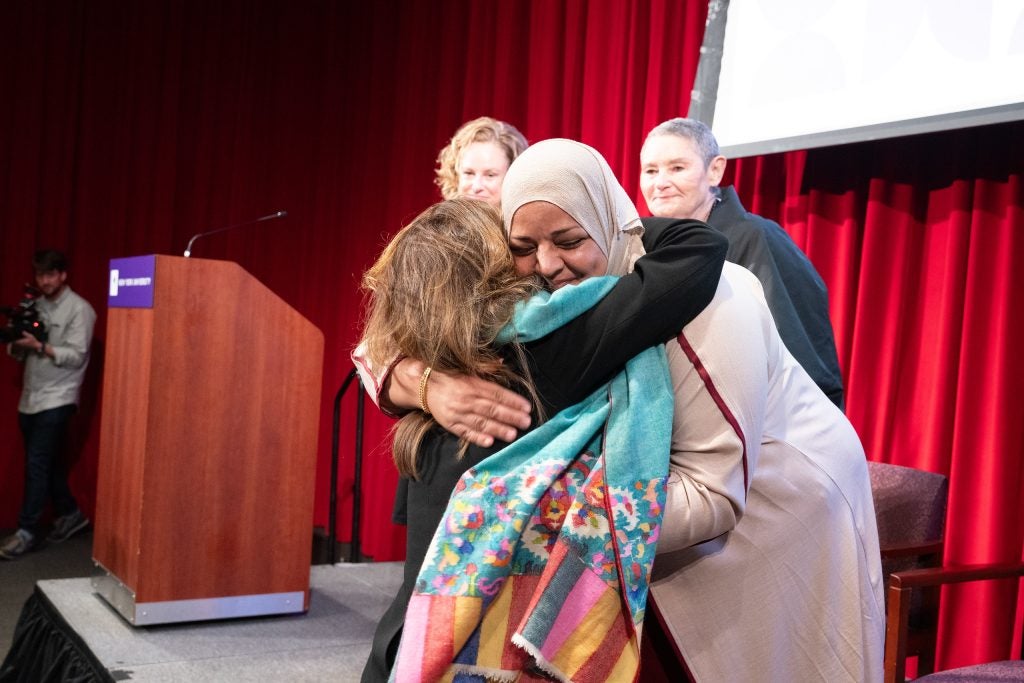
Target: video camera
23,318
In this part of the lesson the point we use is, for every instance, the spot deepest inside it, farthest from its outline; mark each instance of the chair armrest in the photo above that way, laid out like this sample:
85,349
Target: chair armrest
897,612
937,576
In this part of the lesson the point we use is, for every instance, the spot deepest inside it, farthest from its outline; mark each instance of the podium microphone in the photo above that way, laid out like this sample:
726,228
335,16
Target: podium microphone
278,214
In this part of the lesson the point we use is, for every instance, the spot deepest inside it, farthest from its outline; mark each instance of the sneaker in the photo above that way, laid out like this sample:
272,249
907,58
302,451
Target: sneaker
17,544
67,526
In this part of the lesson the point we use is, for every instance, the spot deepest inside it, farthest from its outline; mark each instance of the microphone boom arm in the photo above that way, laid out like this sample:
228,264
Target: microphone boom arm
270,217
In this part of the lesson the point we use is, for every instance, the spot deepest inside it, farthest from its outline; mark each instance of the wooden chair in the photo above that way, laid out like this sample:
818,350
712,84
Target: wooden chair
910,508
899,594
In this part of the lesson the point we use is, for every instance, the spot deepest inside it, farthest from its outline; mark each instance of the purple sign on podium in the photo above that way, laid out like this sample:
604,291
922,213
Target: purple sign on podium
131,282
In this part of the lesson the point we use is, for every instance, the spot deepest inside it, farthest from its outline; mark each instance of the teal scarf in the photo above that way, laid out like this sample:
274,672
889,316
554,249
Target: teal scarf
544,554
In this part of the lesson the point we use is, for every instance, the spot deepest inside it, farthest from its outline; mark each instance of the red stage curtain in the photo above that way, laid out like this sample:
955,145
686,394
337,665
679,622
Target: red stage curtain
129,127
136,126
917,240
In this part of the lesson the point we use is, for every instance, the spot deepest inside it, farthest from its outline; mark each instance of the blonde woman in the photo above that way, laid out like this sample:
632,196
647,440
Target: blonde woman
475,160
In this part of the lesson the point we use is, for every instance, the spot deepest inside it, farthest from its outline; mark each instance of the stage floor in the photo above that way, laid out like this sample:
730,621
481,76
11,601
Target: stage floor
330,642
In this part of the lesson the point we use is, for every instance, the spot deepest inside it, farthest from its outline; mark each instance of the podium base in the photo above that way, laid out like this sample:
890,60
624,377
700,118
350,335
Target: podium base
122,599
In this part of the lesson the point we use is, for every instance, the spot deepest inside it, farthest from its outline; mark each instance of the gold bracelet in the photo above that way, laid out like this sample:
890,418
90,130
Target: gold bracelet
423,390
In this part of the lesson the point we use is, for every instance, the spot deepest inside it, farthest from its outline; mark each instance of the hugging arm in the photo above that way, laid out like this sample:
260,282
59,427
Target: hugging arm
720,367
667,289
465,406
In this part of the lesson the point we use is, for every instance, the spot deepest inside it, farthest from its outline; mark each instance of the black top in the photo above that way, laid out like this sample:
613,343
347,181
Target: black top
796,294
668,288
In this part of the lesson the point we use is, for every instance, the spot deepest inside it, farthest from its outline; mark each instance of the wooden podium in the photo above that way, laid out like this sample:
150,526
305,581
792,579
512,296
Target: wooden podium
207,462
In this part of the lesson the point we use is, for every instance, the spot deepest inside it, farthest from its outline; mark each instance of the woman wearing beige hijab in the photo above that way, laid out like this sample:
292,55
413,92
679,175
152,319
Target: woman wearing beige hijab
768,565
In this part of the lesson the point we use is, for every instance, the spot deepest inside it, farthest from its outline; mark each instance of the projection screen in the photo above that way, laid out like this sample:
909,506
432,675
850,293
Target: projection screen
796,74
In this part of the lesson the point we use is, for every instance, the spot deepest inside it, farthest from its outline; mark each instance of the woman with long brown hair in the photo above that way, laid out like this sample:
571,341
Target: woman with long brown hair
441,292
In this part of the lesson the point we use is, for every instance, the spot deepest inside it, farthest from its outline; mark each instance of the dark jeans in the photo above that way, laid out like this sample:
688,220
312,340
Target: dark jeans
45,475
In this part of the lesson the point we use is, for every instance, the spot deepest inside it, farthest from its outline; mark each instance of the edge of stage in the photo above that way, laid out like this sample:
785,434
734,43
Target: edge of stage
66,618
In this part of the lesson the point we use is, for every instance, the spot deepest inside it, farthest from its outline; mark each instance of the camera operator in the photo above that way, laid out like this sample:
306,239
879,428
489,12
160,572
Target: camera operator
54,368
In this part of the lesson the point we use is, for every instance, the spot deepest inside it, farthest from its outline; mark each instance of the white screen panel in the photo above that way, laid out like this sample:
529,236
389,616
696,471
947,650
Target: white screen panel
806,73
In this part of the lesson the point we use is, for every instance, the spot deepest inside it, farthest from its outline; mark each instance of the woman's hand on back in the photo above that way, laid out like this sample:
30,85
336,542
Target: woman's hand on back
469,407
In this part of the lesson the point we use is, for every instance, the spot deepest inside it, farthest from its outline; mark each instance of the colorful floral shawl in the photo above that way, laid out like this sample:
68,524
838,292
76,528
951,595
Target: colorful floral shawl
543,556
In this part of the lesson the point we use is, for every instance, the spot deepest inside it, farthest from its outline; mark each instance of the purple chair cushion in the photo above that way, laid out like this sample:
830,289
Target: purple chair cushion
1010,670
910,507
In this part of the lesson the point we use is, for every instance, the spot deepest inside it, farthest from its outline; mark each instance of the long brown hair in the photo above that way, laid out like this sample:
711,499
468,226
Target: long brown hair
440,292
